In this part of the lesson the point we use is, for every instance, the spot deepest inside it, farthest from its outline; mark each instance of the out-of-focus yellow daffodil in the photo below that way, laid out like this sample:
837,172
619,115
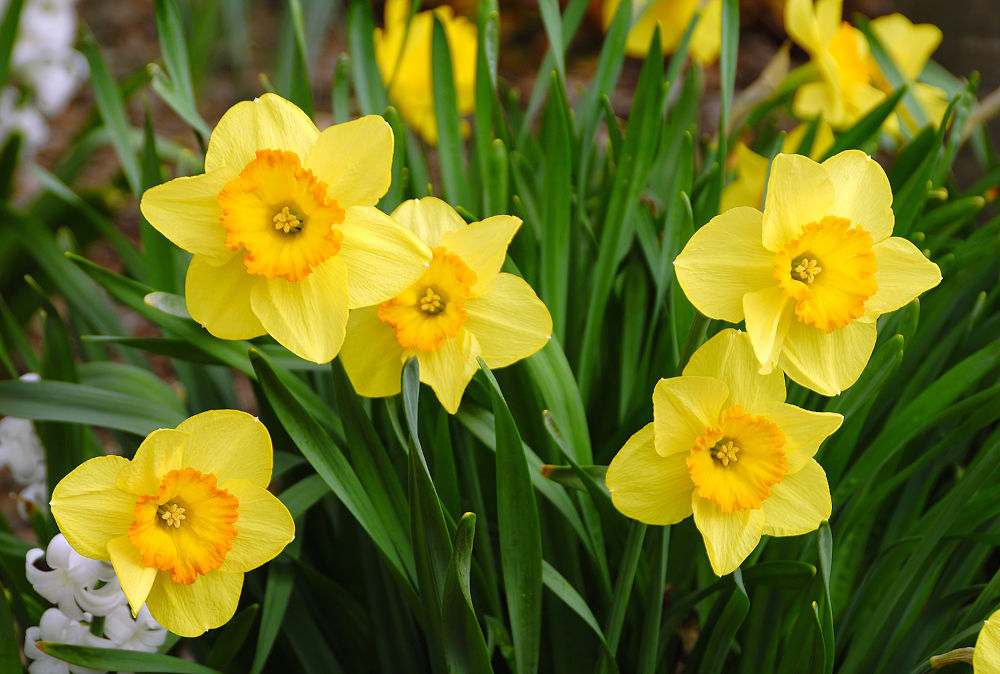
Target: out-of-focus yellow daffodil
812,272
403,55
725,446
184,520
461,309
673,18
279,227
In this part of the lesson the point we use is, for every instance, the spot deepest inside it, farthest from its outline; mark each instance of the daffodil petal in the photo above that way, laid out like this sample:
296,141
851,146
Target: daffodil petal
903,273
769,314
683,407
89,509
371,354
813,99
986,657
158,454
804,430
218,297
799,191
383,258
483,247
185,211
135,578
449,369
827,362
862,192
909,45
509,322
812,26
307,317
649,487
748,187
429,218
266,123
799,503
229,444
729,357
354,159
723,261
265,527
190,610
729,537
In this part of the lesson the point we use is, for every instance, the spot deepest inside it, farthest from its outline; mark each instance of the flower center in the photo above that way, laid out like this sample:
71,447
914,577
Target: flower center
187,527
279,212
846,51
829,269
433,308
737,461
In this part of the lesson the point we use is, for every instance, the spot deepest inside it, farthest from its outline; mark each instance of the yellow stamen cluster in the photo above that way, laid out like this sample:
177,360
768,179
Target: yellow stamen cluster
172,514
725,453
287,221
807,269
431,302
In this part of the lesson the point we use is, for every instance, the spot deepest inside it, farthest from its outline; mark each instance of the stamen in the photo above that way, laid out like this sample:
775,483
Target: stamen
807,269
172,514
431,302
725,453
287,221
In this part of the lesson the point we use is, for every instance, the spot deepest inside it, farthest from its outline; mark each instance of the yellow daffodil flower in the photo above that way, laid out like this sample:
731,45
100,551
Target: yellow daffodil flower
747,187
839,52
910,47
403,55
725,446
183,521
281,227
812,272
986,657
673,18
461,309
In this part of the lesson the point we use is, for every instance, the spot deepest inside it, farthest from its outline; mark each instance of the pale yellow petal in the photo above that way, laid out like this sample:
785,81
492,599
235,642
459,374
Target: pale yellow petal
509,322
354,159
769,314
264,527
449,369
827,363
909,45
383,258
707,37
683,407
723,261
729,537
804,430
190,610
903,273
728,356
483,247
218,297
229,444
429,218
815,99
747,189
862,192
812,26
986,658
135,578
185,211
799,503
646,486
371,354
266,123
934,101
159,453
672,16
799,191
307,317
89,509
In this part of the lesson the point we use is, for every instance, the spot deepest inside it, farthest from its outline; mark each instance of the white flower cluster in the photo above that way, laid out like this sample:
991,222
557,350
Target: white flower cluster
21,451
45,70
82,589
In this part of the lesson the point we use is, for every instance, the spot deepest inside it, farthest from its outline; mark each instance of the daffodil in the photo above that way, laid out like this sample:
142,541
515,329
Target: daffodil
280,227
723,445
183,521
812,272
461,309
673,18
747,187
839,53
403,55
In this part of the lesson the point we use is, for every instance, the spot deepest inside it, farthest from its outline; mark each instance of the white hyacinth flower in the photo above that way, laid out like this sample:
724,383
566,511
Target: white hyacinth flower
57,626
20,448
69,580
141,633
36,495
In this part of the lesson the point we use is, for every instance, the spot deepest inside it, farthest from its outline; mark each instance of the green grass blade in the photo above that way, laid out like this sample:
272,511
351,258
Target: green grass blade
465,647
367,80
120,660
452,158
8,32
549,9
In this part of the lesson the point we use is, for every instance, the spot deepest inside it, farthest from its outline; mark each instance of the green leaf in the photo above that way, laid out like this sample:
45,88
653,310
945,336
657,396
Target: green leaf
277,595
826,620
177,90
10,645
303,495
717,634
549,9
520,534
120,660
232,637
8,33
449,146
557,204
465,647
367,80
568,595
868,126
300,91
